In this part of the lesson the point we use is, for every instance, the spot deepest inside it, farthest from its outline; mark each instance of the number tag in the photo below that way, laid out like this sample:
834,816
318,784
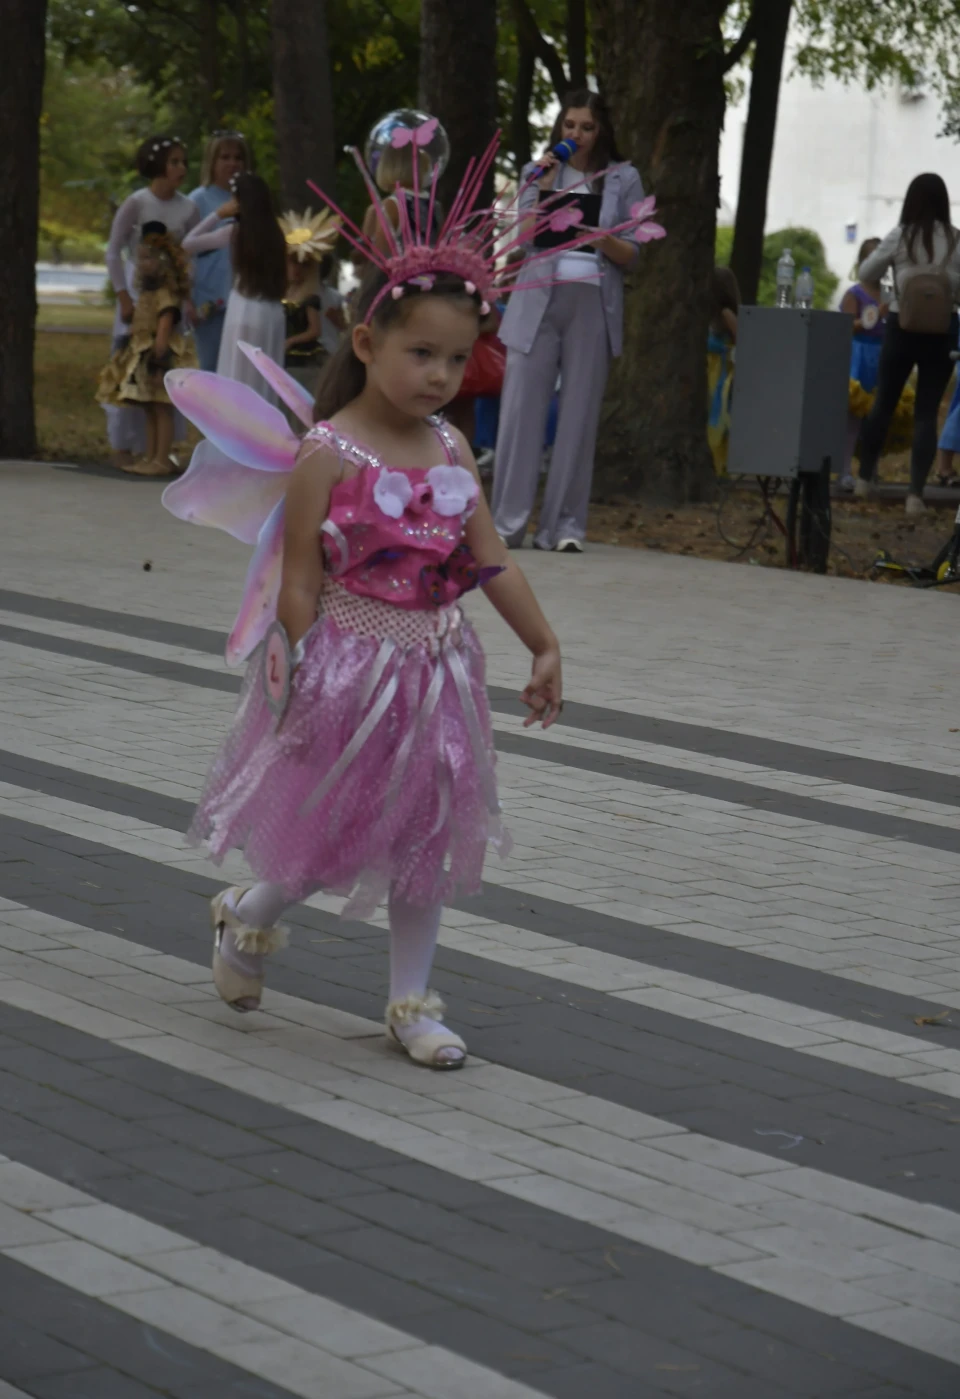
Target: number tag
276,669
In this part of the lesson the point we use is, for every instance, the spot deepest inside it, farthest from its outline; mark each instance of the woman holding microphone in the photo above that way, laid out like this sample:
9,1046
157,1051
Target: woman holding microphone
572,328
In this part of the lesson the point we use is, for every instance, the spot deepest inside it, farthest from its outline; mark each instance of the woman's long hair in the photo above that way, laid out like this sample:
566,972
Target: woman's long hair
344,376
926,204
259,247
605,152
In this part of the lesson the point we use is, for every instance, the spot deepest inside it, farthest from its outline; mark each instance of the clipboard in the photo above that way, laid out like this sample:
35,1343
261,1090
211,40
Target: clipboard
588,203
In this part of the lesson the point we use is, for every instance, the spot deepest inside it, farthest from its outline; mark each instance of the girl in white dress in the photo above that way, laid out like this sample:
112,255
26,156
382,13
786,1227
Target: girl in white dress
162,161
247,224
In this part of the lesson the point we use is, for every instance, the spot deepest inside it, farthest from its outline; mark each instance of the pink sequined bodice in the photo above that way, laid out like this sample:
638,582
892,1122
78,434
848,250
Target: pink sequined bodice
397,535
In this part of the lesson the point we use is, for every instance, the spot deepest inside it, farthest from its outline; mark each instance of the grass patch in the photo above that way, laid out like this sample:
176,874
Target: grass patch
71,426
93,317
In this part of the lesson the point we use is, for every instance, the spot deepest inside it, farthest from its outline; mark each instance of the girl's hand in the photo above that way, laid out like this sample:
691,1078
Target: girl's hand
189,312
125,302
551,169
544,694
230,210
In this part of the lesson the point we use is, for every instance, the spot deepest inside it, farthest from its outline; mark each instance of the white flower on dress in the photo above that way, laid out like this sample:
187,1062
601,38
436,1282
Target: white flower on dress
392,493
454,489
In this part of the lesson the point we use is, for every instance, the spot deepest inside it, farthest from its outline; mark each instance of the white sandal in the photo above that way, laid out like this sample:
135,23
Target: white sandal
427,1048
238,952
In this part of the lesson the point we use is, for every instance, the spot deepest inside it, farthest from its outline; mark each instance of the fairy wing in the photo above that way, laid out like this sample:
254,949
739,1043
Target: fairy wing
294,395
260,590
234,418
219,492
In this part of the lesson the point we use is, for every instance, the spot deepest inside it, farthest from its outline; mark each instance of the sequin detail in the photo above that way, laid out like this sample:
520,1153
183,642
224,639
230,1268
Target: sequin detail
381,773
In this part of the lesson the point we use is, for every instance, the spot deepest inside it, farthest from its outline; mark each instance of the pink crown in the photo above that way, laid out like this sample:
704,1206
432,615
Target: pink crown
473,243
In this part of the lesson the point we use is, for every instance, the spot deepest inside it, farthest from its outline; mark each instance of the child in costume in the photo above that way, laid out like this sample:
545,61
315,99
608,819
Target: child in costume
162,162
156,343
721,350
378,778
406,153
949,443
864,302
309,238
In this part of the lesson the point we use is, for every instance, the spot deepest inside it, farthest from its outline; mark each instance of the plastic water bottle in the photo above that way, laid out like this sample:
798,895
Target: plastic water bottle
804,301
785,269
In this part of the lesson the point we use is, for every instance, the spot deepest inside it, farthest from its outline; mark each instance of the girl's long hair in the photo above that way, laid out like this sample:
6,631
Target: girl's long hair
605,152
344,376
259,247
926,204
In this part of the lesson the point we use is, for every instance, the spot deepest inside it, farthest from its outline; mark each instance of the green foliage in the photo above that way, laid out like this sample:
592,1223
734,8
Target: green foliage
93,115
200,78
59,242
551,18
807,250
723,248
914,43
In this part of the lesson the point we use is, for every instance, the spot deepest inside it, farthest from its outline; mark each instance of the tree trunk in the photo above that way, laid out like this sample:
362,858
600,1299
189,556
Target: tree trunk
772,18
21,102
520,106
210,61
243,56
465,100
661,73
577,42
302,99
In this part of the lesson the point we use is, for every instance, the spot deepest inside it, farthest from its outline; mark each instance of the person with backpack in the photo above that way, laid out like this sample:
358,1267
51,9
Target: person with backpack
924,254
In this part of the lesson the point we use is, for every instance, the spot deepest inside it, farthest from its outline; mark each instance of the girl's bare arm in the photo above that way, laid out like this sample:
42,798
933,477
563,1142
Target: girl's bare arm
307,503
514,599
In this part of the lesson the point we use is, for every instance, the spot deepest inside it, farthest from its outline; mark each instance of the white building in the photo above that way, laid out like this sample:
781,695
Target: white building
842,160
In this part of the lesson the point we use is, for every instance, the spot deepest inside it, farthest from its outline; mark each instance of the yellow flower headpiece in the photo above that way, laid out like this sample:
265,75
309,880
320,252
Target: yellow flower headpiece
310,236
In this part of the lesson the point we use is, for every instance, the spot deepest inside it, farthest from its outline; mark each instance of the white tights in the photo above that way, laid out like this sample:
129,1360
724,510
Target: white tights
413,941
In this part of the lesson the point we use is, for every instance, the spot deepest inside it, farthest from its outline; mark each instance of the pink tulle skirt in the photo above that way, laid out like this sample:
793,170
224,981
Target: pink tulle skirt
380,774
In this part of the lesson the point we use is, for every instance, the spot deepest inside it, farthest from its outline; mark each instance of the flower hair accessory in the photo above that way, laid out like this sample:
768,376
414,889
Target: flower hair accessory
310,236
473,243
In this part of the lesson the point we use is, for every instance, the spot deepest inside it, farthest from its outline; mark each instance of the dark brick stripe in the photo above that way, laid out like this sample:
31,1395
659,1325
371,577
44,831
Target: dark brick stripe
568,1308
873,1130
894,778
737,968
611,765
56,1343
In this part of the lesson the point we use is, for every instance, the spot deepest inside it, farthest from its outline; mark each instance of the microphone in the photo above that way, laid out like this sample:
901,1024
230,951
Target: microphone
563,150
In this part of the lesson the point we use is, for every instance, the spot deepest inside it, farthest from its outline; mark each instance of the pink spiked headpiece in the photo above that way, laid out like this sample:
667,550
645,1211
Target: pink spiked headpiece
472,243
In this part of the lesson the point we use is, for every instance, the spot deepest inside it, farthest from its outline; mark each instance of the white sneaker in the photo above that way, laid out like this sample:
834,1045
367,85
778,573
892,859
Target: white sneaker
864,490
915,505
568,546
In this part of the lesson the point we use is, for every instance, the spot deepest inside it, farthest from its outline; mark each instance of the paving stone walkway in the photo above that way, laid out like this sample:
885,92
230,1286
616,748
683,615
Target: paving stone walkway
705,1146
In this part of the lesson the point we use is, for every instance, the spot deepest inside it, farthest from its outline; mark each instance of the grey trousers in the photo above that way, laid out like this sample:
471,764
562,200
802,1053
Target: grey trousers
572,339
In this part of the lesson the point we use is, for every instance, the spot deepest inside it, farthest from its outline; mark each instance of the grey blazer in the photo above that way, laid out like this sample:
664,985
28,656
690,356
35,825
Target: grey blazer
525,309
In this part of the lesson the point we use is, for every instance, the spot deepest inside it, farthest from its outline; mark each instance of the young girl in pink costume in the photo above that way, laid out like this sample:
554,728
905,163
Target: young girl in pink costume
378,780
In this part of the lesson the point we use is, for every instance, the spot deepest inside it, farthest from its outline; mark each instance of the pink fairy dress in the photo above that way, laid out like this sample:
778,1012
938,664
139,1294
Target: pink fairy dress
381,772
